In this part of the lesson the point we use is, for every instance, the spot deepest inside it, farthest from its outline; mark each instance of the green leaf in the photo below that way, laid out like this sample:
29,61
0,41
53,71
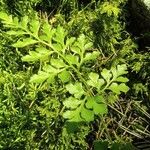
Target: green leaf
79,46
7,20
80,114
117,88
69,41
16,21
81,42
39,78
76,118
122,146
114,87
41,53
75,49
88,45
34,26
51,78
11,32
75,89
57,47
58,63
73,115
32,57
87,115
106,74
72,102
69,114
89,102
99,99
72,59
101,82
100,108
64,76
51,69
121,69
48,32
123,88
25,42
101,145
6,17
96,103
110,9
84,110
91,56
95,81
122,79
94,76
112,98
60,35
2,80
24,22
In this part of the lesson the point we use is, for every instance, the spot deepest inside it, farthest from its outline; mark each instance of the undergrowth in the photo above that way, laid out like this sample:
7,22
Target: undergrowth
71,77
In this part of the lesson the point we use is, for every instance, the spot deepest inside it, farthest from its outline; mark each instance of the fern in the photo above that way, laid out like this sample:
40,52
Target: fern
62,60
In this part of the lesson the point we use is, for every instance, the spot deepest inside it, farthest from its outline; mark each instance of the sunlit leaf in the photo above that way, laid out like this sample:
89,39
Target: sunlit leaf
41,53
118,88
57,47
69,41
60,35
64,76
122,79
68,114
58,63
24,42
51,69
94,76
48,32
39,78
72,102
96,103
121,69
24,22
87,115
51,78
91,56
100,109
75,89
4,16
114,87
106,74
75,49
95,81
72,59
11,32
34,26
123,87
88,45
33,56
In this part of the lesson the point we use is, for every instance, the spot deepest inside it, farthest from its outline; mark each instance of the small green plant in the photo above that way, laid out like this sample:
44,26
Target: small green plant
67,65
63,76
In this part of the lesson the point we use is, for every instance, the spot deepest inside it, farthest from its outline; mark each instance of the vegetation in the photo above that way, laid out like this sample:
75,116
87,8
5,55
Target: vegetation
72,76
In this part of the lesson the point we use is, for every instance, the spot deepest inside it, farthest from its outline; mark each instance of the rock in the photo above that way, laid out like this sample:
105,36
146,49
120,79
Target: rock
139,21
147,3
139,13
